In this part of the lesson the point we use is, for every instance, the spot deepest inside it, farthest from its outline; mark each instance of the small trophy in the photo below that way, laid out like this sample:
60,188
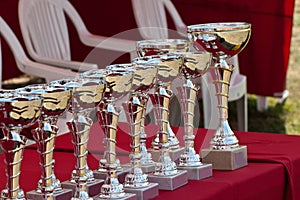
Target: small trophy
136,181
223,40
17,111
194,65
113,93
118,85
166,173
86,95
55,103
161,47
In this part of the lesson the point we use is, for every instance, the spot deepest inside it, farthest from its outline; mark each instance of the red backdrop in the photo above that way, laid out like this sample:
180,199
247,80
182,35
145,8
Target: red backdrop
264,60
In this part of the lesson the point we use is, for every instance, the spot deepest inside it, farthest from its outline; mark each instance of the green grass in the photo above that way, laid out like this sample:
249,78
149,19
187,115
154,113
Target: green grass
281,118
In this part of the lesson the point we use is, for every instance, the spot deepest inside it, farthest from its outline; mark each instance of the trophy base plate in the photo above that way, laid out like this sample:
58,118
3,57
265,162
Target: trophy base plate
170,182
226,159
173,153
198,172
93,187
148,192
121,174
148,168
127,196
60,195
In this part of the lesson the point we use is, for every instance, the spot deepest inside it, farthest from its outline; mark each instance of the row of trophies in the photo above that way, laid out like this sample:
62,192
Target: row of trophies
166,165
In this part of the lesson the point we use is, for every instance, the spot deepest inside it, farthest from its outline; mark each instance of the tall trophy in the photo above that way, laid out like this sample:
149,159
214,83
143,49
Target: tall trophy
136,181
86,95
223,40
161,47
55,103
118,85
195,64
166,173
17,111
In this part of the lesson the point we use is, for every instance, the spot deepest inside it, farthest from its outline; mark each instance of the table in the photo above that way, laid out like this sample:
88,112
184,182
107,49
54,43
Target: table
273,171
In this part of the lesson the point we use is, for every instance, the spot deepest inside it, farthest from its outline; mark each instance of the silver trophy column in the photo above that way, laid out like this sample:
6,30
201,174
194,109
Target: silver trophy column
17,112
161,47
194,65
223,40
55,102
86,95
166,173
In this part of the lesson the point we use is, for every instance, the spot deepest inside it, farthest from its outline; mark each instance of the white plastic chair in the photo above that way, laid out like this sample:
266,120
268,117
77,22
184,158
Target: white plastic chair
45,33
25,65
150,16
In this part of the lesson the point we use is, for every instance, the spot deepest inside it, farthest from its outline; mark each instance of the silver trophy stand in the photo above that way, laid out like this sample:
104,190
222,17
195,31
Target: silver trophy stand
86,95
136,180
112,188
166,173
223,40
55,102
17,112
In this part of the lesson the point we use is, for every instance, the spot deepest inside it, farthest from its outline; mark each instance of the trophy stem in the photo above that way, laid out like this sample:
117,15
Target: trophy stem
108,116
224,137
146,157
188,94
45,140
174,143
80,129
161,99
134,112
107,108
13,147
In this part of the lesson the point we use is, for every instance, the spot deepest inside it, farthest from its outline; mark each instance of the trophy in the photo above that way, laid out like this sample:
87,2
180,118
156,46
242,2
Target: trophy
142,75
166,173
160,47
86,95
17,111
55,103
118,85
194,65
223,40
136,181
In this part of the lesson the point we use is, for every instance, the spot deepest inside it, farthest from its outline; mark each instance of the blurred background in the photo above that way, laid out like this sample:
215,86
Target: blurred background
270,60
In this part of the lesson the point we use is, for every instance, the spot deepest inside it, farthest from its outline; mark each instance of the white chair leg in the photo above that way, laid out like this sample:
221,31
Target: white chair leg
242,113
261,103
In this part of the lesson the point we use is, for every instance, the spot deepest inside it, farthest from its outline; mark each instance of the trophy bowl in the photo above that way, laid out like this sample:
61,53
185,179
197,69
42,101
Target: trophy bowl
19,110
223,40
161,46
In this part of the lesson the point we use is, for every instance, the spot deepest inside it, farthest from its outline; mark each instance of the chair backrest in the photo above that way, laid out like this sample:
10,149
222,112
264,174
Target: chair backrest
150,16
44,28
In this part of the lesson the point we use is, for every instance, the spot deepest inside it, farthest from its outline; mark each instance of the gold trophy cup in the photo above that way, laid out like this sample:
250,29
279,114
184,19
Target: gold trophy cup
223,40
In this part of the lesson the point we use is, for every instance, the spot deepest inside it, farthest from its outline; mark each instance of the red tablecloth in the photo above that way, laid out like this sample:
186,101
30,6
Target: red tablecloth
256,181
264,150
